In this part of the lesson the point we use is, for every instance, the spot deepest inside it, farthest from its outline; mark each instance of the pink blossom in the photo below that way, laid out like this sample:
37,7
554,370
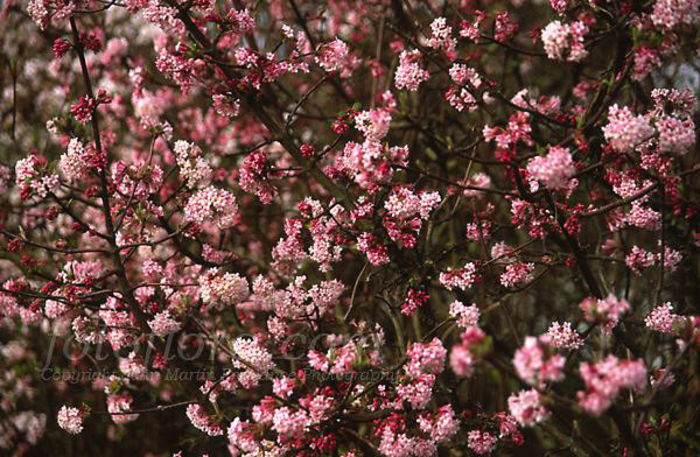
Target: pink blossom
639,258
226,106
553,170
669,13
223,290
441,37
625,132
201,420
425,358
163,324
212,204
481,442
560,6
536,364
418,391
118,405
193,167
661,319
562,336
290,423
253,358
376,253
462,361
526,406
70,419
606,378
462,279
607,311
409,74
517,274
333,56
466,316
645,60
254,177
565,41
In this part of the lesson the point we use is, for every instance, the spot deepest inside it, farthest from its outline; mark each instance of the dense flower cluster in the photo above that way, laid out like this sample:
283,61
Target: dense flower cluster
212,204
527,407
606,378
70,419
565,41
410,74
554,169
535,362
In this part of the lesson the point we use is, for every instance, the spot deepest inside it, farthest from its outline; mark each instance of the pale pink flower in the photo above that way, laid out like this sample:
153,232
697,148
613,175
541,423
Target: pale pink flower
606,378
526,406
565,41
202,421
212,204
462,279
409,74
466,316
481,442
70,419
517,274
625,132
554,169
163,324
536,364
661,319
562,336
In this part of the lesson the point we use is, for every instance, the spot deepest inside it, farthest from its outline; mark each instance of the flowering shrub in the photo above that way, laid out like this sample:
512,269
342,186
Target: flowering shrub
349,228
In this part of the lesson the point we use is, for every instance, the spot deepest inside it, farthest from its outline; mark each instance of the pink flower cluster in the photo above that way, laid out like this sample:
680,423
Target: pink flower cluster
673,113
565,41
639,258
253,176
462,357
517,274
441,37
526,406
253,358
481,442
333,56
605,379
672,13
415,298
194,168
212,204
70,419
118,405
376,252
465,316
517,130
425,358
662,319
369,163
625,132
462,95
535,362
201,420
562,336
554,169
462,278
225,105
30,177
163,324
606,312
219,290
410,74
406,212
